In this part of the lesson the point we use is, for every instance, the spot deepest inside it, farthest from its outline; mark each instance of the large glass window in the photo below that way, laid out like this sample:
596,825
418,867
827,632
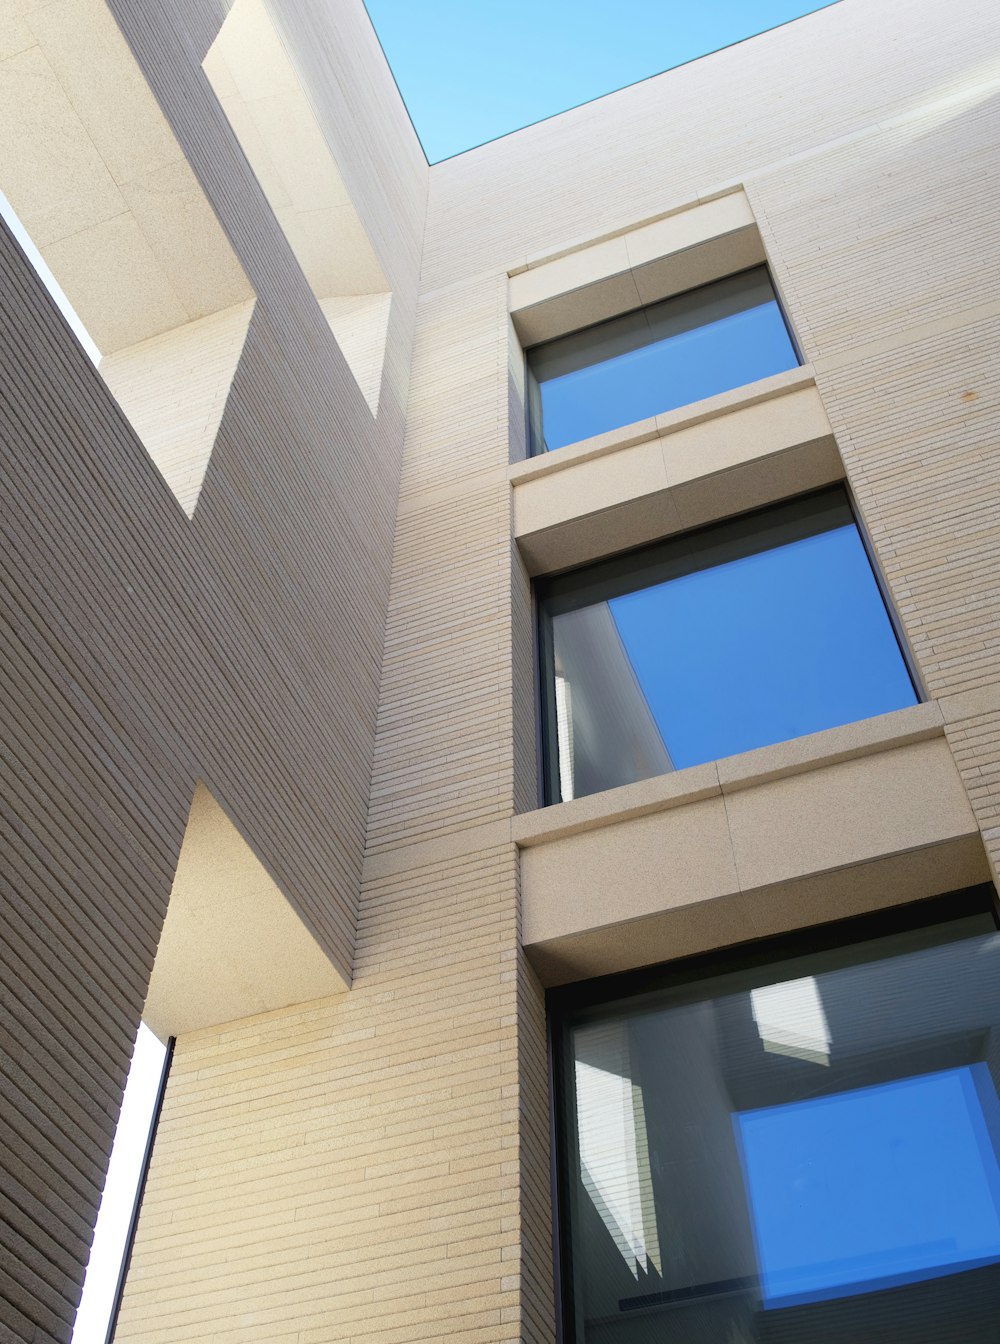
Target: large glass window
805,1150
655,359
763,628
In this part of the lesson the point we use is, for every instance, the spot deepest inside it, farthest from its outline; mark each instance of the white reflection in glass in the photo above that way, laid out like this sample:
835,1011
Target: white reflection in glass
791,1020
564,736
614,1151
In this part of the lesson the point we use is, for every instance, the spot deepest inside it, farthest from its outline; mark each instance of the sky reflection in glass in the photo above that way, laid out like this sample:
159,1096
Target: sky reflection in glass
765,648
721,1190
657,378
873,1188
669,355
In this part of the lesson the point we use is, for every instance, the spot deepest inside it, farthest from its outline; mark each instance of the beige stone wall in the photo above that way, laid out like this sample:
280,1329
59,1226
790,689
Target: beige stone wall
349,1170
375,1167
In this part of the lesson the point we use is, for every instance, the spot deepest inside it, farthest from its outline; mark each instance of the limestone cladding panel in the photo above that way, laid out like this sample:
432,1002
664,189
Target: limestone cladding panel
142,651
892,280
349,1170
454,755
444,746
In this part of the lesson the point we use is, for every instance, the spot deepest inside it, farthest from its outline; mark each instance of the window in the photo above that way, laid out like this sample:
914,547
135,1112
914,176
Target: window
655,359
796,1147
763,628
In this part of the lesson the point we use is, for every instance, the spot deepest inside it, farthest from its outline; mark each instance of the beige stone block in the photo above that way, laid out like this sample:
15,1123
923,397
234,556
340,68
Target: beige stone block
296,145
848,813
752,431
736,399
576,308
688,228
580,540
915,723
333,250
51,172
108,90
625,946
248,56
187,240
360,325
760,481
578,270
231,944
15,34
878,884
174,389
698,265
218,73
615,805
640,867
116,284
544,464
589,487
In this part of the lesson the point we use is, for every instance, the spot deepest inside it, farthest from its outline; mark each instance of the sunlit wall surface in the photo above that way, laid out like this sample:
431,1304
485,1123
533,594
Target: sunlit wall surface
751,632
655,359
846,1189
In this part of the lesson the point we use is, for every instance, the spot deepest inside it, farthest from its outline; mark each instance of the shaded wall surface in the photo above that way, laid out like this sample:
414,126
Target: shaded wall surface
144,651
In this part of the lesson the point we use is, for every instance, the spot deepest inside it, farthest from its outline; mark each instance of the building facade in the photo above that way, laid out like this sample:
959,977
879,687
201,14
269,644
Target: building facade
281,772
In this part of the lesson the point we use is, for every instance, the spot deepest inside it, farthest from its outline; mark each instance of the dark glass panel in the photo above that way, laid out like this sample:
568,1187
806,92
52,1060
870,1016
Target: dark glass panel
804,1151
655,359
752,632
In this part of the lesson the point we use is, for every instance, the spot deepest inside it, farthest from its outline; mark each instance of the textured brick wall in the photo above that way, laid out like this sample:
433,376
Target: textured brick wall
892,279
348,1170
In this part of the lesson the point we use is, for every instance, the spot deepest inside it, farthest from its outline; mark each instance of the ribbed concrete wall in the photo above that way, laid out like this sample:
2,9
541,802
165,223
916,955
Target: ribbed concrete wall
143,651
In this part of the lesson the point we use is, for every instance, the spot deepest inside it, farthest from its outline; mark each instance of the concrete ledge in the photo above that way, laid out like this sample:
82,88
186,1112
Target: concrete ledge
784,837
866,737
722,456
686,249
658,426
729,920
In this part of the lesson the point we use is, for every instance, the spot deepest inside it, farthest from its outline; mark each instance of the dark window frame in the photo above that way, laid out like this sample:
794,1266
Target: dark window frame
568,1005
677,554
533,426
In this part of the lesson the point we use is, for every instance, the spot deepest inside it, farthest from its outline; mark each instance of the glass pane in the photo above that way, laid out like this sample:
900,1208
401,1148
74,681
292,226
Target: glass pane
743,645
670,354
809,1152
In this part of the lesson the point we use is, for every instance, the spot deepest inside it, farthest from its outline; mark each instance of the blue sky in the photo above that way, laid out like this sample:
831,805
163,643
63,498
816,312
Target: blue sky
763,649
873,1188
471,70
